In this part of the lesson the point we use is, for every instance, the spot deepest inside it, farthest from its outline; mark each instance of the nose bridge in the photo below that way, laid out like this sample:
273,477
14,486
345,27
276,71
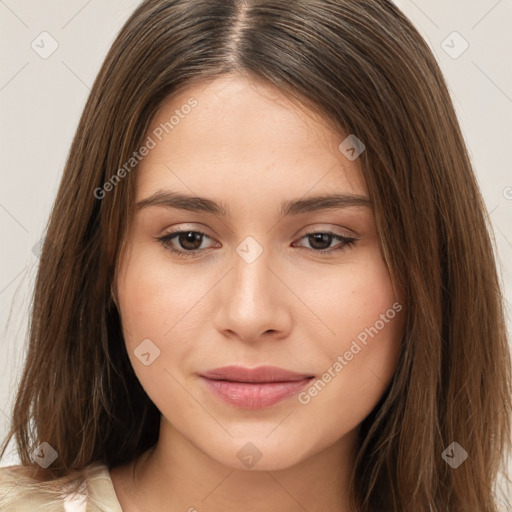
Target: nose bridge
251,274
250,303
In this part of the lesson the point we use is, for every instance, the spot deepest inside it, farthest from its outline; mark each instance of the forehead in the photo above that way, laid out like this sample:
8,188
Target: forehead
239,134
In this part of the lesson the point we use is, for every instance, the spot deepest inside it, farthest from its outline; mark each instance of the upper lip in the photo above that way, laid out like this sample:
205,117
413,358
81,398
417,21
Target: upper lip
258,374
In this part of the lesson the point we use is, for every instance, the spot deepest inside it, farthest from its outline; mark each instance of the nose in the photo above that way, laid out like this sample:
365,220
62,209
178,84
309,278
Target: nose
253,300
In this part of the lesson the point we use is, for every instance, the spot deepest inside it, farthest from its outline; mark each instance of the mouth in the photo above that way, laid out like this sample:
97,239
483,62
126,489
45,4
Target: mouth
255,388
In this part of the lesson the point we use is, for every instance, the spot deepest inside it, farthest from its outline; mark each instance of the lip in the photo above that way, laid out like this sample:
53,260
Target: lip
254,388
258,374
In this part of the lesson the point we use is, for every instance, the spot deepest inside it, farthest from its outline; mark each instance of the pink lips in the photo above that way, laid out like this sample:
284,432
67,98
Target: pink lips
254,388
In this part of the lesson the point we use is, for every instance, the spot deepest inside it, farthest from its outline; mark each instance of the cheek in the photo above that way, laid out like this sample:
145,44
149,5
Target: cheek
355,298
366,319
151,302
161,304
152,298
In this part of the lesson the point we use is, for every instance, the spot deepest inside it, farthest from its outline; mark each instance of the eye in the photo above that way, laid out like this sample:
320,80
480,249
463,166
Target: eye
190,242
321,241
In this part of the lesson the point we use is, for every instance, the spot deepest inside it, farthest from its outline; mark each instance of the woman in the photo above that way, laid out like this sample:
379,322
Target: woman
268,279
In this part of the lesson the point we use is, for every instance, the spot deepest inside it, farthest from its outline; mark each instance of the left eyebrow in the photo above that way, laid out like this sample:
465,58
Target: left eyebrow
180,201
323,202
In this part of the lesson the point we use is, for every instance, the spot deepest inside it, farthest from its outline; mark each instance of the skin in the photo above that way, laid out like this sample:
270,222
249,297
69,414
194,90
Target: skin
296,306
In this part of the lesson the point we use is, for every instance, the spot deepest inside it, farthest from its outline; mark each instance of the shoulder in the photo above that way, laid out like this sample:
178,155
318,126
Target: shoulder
22,489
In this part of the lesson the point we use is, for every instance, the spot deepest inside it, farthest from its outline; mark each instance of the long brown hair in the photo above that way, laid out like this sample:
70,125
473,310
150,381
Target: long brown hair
362,65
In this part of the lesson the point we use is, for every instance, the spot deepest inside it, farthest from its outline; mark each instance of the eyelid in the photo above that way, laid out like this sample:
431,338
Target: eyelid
328,228
306,231
324,228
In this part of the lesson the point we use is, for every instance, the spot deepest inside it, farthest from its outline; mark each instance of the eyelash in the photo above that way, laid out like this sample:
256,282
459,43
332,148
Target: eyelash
347,242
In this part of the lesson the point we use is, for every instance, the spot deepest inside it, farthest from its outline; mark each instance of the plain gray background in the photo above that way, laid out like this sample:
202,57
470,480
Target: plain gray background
41,100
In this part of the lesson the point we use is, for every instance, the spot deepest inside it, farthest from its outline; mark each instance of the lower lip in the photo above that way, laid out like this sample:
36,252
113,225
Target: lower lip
254,396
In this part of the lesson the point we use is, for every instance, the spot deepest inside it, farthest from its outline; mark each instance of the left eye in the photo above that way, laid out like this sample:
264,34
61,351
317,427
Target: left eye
321,238
191,242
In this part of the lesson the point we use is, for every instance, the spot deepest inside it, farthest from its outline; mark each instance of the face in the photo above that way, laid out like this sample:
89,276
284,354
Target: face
259,272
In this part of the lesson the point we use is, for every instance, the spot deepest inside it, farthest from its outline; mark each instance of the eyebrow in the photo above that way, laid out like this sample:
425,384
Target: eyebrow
180,201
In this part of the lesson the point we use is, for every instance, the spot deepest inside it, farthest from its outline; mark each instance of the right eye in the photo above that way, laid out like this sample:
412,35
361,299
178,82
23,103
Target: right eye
190,242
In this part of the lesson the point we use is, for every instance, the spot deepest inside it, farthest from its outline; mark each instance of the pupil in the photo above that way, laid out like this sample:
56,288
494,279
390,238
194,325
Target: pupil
190,238
322,238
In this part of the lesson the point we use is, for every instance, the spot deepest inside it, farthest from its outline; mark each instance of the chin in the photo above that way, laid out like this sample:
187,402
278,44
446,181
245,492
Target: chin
260,454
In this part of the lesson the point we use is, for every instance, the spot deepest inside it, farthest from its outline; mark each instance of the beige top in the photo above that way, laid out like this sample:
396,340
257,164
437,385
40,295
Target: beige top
20,493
